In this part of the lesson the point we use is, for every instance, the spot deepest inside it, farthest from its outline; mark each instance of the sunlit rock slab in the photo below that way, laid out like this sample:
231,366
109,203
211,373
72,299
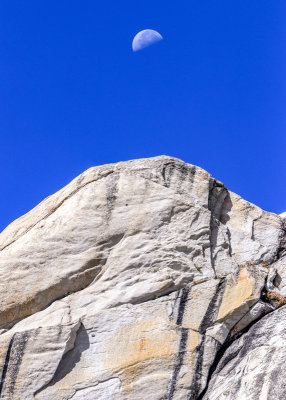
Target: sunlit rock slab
126,283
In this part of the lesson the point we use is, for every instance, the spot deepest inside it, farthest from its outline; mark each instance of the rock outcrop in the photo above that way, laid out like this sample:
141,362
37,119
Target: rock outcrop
144,279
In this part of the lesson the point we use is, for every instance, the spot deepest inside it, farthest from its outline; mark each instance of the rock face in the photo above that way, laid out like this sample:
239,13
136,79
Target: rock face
145,279
253,367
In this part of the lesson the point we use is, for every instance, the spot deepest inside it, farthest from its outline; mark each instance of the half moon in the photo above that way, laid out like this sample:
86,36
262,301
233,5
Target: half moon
145,38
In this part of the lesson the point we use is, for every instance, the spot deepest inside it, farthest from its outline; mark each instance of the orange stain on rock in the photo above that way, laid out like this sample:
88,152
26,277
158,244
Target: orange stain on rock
132,349
237,293
141,344
133,343
137,350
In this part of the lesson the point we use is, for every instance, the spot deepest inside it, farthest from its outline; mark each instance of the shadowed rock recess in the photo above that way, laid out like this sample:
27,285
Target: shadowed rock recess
144,279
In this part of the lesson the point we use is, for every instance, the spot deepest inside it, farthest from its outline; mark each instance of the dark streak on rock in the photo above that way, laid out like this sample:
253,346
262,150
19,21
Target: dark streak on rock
196,384
184,172
111,193
6,363
182,345
213,239
281,250
208,320
13,362
229,241
182,306
219,361
252,231
213,307
219,204
213,223
167,172
179,362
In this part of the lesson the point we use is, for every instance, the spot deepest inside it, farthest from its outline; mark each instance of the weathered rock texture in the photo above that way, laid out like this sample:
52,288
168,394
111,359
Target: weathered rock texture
145,279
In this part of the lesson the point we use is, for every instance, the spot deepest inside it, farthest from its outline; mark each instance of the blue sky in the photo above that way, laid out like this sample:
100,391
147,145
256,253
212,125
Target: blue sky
73,95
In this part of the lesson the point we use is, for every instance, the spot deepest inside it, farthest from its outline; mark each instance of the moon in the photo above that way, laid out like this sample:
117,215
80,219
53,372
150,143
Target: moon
145,38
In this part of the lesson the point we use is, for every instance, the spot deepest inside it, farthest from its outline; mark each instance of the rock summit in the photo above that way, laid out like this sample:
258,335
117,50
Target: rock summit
143,280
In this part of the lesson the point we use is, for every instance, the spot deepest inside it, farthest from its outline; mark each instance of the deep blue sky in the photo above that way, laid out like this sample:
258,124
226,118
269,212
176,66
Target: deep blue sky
73,95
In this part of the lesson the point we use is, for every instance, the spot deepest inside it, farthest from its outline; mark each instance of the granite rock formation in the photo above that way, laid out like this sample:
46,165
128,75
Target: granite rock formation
144,279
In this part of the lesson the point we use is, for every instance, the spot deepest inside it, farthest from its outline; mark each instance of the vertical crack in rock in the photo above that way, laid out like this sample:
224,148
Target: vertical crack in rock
281,249
12,364
182,345
208,320
213,238
228,342
213,227
219,201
